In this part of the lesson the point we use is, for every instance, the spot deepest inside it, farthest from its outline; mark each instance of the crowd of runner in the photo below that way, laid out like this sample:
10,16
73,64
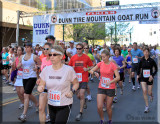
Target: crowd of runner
61,71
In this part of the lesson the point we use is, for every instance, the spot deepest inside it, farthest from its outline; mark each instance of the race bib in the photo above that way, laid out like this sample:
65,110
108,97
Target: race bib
4,62
79,76
129,63
26,72
146,73
54,97
19,74
135,60
104,81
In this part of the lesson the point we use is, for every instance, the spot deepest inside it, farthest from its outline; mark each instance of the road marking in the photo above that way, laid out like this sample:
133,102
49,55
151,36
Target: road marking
16,99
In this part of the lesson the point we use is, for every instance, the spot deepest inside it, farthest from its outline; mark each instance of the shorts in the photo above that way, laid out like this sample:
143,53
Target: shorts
29,84
107,92
5,67
83,85
13,74
121,76
18,83
146,80
134,67
59,114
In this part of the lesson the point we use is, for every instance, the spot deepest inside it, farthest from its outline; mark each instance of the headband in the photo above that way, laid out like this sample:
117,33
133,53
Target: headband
53,50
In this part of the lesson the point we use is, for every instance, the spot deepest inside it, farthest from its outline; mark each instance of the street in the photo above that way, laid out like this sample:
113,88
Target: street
129,108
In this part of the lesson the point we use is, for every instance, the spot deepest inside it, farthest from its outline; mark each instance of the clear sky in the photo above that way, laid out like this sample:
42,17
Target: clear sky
123,2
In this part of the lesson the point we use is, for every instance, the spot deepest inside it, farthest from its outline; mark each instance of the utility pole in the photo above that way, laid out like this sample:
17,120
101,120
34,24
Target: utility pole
63,32
115,32
17,30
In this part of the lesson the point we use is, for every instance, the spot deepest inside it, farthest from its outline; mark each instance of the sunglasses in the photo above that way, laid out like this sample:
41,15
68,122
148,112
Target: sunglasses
45,48
86,48
78,48
53,54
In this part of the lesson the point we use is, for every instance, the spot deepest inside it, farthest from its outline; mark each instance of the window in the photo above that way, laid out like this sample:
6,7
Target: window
154,32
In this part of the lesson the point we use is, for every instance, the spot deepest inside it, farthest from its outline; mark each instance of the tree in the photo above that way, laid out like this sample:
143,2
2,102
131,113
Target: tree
88,31
121,29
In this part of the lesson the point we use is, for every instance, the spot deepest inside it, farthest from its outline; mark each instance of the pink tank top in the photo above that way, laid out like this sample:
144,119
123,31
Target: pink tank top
45,63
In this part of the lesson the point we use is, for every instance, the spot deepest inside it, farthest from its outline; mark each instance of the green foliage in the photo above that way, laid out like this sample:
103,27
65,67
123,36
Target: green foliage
88,31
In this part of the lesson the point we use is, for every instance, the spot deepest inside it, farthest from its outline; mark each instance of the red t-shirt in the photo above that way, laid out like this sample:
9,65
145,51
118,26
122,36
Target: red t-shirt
79,62
42,56
107,73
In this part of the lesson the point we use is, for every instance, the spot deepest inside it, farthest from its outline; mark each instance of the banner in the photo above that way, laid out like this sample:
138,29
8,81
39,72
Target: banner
119,15
41,28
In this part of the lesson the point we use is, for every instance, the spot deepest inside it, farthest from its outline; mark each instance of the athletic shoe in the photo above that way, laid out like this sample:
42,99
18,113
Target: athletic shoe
115,99
30,104
134,88
121,92
21,106
4,78
129,81
6,81
91,79
104,109
22,118
101,122
89,98
109,122
138,87
146,109
47,118
85,104
11,83
78,117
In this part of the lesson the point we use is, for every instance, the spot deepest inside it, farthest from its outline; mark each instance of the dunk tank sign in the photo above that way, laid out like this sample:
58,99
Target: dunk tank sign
41,28
121,15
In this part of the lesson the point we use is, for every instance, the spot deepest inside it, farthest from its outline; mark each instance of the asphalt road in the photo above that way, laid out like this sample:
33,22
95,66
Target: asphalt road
129,108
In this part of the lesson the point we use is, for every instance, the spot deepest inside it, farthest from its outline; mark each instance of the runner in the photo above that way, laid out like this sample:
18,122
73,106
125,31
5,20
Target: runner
5,63
106,88
81,64
51,39
145,72
28,63
137,54
58,78
121,65
19,80
86,51
72,50
129,61
43,96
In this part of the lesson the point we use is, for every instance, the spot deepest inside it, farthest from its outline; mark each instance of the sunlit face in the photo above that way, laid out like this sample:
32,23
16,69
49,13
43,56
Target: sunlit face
46,50
62,45
79,49
105,58
19,51
55,57
28,48
51,41
117,52
135,46
86,49
146,53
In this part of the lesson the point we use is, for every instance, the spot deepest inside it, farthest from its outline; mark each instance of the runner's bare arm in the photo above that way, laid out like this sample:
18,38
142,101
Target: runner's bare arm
41,85
117,77
124,64
93,69
20,62
68,54
37,60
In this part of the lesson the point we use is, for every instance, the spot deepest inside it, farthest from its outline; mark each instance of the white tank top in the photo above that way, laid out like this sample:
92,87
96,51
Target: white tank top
28,67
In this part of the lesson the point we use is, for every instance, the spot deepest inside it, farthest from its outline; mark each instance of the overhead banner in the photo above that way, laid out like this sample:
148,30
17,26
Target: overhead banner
119,15
41,28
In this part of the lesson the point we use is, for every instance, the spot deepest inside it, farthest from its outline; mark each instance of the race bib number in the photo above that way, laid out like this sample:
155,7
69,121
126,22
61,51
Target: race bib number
4,62
26,72
19,74
146,73
54,97
104,81
79,76
135,60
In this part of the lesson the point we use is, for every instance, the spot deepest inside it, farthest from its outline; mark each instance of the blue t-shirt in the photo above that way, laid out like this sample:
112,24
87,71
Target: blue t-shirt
128,60
135,53
119,60
4,58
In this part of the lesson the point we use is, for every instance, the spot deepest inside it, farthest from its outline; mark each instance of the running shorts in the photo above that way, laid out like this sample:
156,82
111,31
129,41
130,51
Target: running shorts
29,84
107,92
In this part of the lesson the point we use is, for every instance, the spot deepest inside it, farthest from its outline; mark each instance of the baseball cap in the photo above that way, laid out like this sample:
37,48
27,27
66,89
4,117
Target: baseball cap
28,44
71,41
50,37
